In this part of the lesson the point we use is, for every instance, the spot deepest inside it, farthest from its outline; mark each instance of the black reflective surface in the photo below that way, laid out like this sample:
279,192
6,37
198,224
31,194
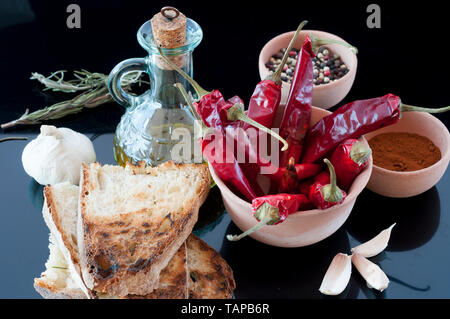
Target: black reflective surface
34,38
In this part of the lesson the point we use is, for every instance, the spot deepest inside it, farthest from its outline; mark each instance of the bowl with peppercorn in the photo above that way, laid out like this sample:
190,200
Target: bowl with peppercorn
303,226
334,66
410,157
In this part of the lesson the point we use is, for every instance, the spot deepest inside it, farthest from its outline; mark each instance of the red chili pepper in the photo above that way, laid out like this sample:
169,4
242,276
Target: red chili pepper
272,210
305,186
267,95
225,164
353,120
324,196
323,178
289,181
213,111
349,159
297,113
303,171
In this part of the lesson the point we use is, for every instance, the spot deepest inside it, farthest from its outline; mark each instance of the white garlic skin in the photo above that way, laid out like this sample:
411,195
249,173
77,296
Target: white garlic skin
56,155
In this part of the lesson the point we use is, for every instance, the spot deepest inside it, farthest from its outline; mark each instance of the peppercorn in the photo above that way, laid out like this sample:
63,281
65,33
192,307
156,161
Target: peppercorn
328,66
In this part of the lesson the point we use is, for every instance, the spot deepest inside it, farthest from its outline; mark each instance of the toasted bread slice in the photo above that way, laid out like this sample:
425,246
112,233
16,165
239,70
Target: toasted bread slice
56,282
210,277
60,215
132,221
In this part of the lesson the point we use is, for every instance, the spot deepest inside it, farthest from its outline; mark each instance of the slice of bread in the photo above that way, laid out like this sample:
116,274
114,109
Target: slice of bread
132,221
209,276
56,282
60,215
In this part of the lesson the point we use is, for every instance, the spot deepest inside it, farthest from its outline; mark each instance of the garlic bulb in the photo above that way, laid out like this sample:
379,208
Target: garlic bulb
56,155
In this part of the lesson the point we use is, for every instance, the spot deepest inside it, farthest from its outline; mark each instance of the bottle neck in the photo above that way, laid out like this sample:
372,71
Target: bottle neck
163,78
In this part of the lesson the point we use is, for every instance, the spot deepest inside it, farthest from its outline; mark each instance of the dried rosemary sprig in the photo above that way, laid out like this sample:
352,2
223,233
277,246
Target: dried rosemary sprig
94,85
13,138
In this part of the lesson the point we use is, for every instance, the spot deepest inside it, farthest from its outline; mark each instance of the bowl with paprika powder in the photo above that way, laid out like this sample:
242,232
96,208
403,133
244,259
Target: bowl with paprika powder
410,157
302,228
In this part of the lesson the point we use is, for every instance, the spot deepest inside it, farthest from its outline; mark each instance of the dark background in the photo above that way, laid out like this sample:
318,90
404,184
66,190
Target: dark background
408,56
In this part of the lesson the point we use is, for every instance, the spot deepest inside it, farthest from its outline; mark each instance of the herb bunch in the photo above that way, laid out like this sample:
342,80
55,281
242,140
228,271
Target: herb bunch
94,93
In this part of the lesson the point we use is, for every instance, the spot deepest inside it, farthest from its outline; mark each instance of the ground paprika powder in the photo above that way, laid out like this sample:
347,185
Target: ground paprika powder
403,152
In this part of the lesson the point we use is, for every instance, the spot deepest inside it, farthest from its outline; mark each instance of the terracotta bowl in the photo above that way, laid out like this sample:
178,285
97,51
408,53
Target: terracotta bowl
325,95
302,228
406,184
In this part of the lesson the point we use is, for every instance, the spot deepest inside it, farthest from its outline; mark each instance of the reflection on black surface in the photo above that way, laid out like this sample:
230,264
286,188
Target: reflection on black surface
417,218
35,192
369,293
263,271
409,286
210,213
15,12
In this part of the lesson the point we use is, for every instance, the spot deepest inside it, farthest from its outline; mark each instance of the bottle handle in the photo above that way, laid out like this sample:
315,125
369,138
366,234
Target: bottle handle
115,78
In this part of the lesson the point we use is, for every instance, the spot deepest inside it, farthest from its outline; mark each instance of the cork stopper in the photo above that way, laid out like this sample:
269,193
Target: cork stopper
169,28
169,31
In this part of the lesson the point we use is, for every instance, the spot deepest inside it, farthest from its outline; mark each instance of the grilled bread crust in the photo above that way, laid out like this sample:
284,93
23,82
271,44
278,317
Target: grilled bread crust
210,277
124,253
49,291
173,284
67,242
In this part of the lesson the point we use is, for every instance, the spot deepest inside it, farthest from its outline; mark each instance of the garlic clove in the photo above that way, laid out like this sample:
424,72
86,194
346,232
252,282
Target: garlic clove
374,246
373,274
337,276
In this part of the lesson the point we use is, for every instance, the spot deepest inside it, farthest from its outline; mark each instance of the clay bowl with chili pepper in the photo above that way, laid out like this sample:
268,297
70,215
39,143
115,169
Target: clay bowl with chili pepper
324,95
401,184
304,227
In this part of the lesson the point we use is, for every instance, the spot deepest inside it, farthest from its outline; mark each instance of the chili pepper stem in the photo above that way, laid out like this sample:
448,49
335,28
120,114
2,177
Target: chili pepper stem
360,153
316,43
412,108
331,192
198,89
236,112
266,214
203,128
276,76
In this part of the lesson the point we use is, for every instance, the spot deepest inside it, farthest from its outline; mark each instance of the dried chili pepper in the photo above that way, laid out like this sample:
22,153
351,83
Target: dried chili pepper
303,171
289,181
323,195
297,114
353,120
228,170
323,177
349,159
215,111
272,210
267,95
305,187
